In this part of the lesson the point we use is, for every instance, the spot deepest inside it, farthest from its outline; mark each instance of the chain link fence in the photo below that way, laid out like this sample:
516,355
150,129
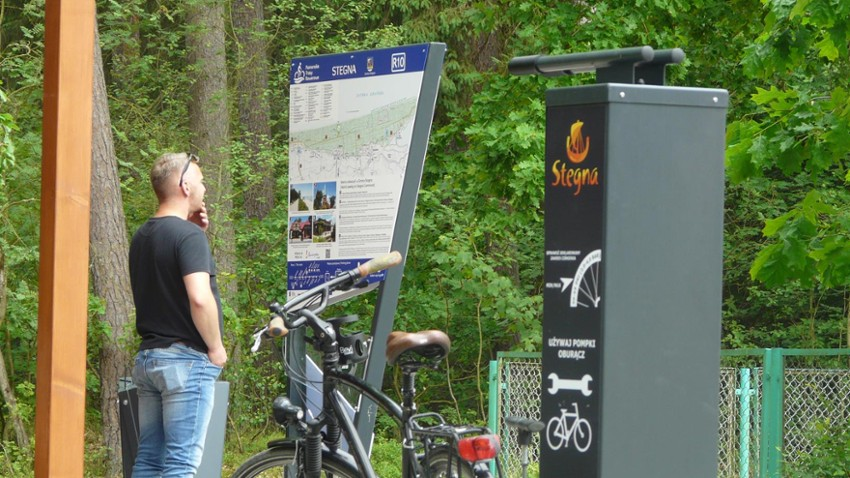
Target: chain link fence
813,397
728,443
814,389
738,433
519,396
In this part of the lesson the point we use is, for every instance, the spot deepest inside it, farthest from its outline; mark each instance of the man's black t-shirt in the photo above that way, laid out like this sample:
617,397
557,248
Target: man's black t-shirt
164,250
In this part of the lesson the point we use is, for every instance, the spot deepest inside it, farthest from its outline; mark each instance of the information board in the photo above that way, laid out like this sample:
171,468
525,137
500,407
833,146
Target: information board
359,129
351,122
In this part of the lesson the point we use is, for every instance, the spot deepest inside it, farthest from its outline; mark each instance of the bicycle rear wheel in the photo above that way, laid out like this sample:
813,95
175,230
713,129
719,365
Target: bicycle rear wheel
445,463
274,462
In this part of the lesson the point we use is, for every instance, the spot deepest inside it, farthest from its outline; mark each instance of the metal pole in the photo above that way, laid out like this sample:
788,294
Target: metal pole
387,301
745,392
772,415
493,403
493,399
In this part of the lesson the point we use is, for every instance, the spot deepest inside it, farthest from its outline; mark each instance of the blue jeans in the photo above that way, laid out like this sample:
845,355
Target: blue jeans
176,387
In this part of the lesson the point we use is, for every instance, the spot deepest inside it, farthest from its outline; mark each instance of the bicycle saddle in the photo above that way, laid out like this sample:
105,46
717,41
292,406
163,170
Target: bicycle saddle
408,348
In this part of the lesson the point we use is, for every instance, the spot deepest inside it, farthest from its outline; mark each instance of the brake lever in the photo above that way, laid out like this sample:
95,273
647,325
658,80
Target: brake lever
258,339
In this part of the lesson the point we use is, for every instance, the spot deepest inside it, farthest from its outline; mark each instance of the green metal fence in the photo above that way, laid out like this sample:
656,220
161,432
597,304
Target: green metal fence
770,402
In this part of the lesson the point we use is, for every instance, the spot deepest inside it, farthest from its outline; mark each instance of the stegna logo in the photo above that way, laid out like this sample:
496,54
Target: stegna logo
577,145
575,177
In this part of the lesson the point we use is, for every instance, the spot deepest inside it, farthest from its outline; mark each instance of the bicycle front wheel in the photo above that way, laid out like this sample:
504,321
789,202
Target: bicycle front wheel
281,462
445,463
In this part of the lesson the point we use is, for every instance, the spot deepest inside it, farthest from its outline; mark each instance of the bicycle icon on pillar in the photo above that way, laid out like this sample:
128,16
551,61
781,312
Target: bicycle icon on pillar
569,425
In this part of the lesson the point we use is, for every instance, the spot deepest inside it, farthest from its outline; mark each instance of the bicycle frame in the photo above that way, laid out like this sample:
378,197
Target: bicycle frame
332,404
334,414
333,418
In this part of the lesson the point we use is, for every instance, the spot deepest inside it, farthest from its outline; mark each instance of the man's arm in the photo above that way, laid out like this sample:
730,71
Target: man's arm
205,315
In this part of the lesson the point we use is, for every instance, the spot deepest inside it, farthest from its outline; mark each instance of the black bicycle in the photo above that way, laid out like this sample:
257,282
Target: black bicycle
431,446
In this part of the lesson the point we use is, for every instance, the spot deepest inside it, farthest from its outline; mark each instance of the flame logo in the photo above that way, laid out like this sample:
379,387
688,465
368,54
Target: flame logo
577,145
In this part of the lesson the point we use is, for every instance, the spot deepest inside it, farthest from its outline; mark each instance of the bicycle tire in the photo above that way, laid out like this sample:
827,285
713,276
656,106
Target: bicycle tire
437,465
271,463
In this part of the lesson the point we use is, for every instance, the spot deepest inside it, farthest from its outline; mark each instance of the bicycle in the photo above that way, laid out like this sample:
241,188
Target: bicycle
559,430
431,447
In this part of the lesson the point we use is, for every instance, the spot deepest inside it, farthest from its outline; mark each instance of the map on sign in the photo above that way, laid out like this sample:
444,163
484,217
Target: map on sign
351,121
370,145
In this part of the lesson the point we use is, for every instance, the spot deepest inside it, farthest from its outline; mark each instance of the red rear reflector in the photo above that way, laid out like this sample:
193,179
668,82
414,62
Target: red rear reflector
480,448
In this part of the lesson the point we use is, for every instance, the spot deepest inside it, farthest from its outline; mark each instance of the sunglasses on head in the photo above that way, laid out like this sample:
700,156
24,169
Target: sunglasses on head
192,158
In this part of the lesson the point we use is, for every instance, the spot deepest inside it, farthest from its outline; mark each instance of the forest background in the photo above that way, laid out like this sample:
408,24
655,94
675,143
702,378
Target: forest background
212,77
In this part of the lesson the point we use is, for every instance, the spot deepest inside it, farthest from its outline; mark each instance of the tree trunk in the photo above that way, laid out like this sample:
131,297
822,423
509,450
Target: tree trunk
8,393
110,269
208,124
252,81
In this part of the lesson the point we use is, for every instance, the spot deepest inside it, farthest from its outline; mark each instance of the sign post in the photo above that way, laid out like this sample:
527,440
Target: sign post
633,268
359,129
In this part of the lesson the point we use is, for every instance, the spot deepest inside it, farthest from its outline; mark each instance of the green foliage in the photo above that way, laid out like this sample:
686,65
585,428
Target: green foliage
830,453
254,385
799,130
386,457
25,392
786,314
7,126
14,461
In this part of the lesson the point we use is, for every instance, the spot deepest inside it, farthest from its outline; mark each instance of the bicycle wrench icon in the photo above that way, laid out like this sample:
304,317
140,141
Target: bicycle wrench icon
582,385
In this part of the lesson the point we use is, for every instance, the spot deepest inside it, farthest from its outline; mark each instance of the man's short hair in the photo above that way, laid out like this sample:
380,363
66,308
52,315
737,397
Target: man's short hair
163,168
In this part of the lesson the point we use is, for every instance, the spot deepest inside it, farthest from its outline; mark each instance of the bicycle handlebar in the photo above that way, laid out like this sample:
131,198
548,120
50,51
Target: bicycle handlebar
379,264
276,328
280,323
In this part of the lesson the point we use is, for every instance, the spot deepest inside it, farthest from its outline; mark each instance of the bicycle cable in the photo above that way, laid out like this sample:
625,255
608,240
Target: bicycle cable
300,377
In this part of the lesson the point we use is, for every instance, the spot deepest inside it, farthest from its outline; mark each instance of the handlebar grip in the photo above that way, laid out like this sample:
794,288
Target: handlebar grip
276,327
379,263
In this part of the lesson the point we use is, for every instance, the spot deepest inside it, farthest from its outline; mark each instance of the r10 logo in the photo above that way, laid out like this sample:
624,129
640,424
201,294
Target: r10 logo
399,62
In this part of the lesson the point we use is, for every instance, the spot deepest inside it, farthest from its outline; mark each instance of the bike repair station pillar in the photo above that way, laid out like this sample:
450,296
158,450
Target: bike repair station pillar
633,268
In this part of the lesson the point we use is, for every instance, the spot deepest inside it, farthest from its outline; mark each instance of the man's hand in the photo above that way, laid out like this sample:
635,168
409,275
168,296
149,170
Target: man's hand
200,217
218,356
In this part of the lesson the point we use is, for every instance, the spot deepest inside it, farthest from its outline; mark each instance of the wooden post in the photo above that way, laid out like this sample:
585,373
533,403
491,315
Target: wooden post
64,248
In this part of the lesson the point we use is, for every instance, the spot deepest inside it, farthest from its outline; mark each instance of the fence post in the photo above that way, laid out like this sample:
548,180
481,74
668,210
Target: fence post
745,392
772,414
493,401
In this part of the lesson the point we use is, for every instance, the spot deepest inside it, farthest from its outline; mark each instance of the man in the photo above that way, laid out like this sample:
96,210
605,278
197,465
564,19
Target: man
178,316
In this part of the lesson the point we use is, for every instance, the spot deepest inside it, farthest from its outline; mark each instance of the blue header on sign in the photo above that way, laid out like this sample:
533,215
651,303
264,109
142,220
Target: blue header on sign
360,64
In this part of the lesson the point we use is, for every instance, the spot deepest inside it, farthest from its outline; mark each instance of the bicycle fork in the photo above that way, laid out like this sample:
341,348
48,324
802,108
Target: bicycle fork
313,449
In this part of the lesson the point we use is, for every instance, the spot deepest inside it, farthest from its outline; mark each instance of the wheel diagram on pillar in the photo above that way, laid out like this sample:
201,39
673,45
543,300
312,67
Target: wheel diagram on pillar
585,287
